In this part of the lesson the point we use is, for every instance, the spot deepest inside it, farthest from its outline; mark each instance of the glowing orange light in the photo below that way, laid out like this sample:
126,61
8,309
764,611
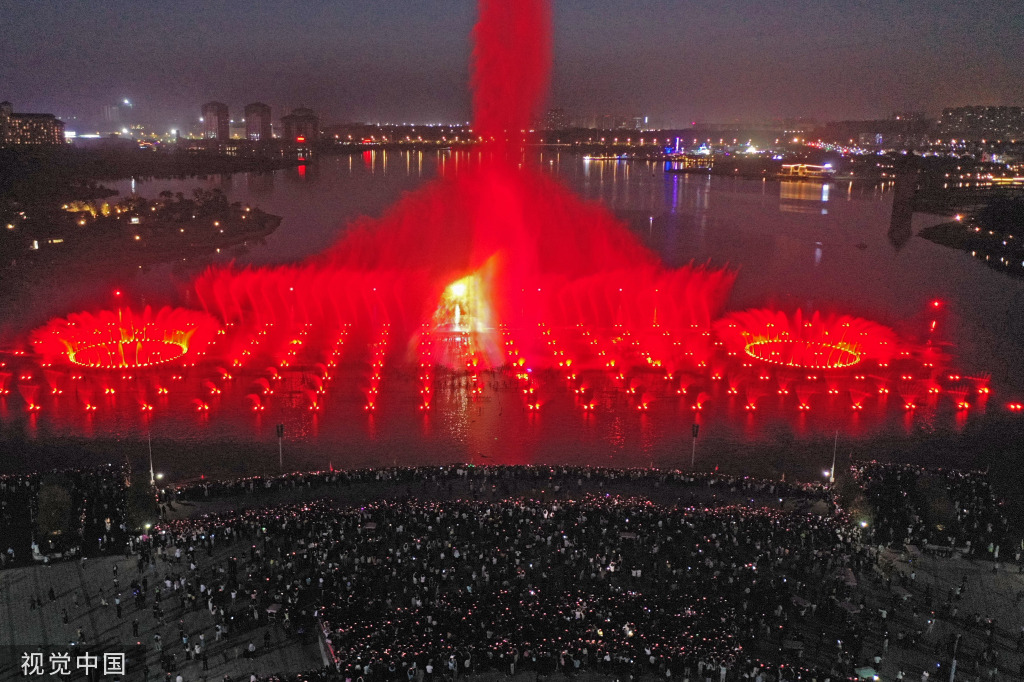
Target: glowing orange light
820,342
116,339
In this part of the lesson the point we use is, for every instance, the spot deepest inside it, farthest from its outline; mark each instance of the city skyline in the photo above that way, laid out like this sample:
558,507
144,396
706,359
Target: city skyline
674,62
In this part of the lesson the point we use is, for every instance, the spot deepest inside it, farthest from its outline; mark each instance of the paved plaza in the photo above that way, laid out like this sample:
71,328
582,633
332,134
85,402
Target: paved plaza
989,597
78,592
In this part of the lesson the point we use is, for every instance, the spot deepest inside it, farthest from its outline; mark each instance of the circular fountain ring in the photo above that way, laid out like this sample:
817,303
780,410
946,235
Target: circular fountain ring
127,354
804,354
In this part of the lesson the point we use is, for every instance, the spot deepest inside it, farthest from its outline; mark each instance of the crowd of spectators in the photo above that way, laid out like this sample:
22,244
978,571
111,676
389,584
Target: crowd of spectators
504,478
457,570
941,510
423,590
84,510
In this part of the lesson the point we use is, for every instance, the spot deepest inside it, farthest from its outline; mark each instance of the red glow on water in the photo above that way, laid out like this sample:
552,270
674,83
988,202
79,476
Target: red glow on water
492,265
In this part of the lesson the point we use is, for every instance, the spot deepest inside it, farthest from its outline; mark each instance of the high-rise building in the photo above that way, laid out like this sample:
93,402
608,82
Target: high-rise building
556,119
979,123
302,125
216,124
257,122
112,114
28,129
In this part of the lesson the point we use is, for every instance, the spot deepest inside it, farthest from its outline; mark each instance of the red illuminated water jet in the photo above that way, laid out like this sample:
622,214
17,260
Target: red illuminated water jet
829,342
527,250
496,265
123,339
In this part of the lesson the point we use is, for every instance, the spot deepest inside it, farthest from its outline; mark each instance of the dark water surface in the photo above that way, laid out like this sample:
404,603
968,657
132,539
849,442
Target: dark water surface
796,245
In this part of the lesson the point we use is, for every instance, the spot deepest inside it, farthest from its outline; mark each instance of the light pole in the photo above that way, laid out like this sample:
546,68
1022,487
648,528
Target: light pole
832,471
693,450
280,447
952,667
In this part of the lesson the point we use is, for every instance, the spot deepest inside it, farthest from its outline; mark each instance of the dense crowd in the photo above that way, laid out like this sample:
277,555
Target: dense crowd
86,505
504,478
412,589
455,570
938,509
97,508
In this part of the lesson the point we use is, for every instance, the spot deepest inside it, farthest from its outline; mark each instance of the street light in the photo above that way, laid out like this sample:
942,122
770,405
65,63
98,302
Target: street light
832,471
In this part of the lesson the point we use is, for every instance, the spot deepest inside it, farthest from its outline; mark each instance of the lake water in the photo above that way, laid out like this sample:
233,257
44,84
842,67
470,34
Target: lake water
795,245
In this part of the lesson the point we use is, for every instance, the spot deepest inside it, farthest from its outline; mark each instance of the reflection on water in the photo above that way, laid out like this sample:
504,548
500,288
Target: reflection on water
797,245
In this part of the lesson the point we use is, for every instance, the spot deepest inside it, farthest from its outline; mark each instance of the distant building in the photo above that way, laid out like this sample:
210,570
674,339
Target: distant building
870,139
257,122
899,131
111,114
982,123
302,125
28,129
555,119
216,124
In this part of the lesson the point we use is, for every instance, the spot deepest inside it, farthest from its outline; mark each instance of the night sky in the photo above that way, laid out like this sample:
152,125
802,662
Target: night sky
395,60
